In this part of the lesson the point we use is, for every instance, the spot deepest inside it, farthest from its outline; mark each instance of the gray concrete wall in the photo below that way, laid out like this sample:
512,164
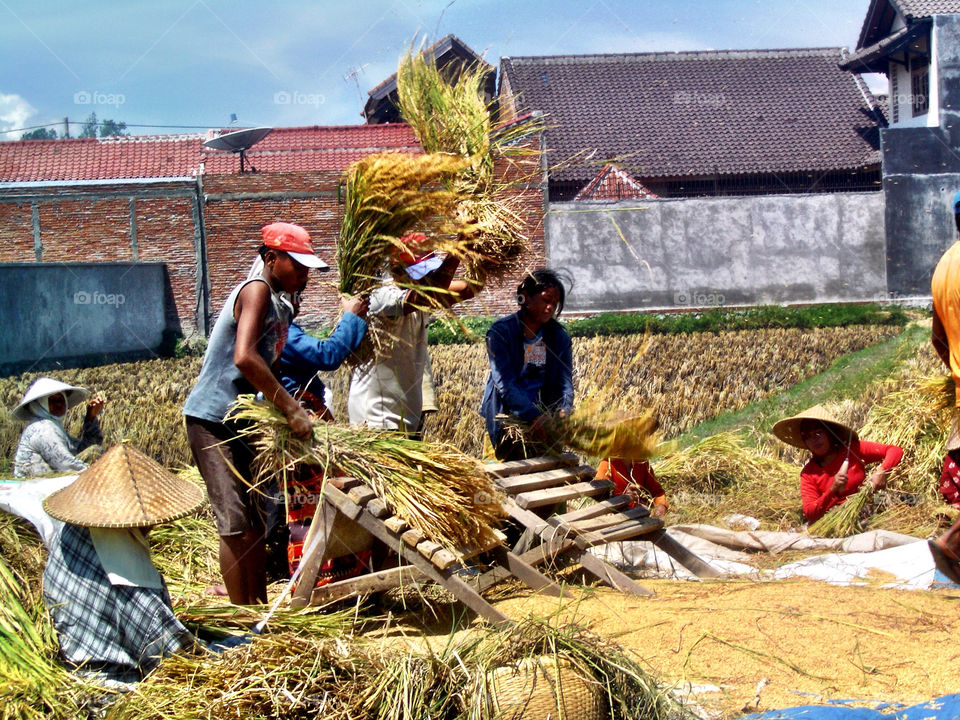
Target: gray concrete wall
697,252
69,313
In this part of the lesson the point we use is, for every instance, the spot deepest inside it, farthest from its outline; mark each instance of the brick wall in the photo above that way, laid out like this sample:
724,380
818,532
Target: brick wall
94,223
237,206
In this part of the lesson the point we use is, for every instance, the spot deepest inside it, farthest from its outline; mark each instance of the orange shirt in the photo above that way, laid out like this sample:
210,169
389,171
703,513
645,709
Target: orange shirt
638,473
945,289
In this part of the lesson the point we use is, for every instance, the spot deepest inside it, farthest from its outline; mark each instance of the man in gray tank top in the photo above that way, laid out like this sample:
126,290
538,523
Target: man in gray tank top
246,341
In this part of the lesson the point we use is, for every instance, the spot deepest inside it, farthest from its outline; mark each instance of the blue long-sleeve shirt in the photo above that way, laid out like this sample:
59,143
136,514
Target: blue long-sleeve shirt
304,355
505,391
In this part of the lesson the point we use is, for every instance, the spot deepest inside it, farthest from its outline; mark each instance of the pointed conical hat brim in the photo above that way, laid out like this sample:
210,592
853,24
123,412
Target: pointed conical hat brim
788,429
124,489
44,387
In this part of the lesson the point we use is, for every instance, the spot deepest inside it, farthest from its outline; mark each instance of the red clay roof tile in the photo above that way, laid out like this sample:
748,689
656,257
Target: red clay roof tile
161,156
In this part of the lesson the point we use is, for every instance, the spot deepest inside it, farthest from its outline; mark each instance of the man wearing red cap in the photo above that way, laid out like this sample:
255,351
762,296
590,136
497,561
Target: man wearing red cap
388,391
245,342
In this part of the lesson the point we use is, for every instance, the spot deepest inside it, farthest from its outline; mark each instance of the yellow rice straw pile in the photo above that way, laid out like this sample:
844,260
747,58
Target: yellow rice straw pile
434,487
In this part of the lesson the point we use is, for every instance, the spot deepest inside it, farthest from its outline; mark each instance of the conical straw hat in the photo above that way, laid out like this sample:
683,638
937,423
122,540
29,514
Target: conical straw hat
124,489
44,387
788,429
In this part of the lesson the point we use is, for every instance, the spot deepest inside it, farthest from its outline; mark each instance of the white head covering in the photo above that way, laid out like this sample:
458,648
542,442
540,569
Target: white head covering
34,401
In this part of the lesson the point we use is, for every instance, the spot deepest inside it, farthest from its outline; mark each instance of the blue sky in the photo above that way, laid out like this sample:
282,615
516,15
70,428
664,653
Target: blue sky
283,63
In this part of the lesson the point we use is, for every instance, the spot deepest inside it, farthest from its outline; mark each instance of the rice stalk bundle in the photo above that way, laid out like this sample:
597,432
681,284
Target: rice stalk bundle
918,519
412,685
630,693
317,621
592,432
942,388
285,675
32,683
434,487
844,519
917,419
448,112
386,196
720,462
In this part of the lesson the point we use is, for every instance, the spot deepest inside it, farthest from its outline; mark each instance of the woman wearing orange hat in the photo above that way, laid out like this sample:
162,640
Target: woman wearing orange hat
837,467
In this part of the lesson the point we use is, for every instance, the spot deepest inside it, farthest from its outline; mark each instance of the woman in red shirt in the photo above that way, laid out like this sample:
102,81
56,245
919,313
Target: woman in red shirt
837,467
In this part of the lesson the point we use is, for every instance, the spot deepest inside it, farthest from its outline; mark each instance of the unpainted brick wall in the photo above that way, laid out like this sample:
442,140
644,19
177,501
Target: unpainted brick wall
92,223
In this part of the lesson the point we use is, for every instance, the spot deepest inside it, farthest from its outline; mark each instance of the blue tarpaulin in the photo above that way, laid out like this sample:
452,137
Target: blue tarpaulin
941,708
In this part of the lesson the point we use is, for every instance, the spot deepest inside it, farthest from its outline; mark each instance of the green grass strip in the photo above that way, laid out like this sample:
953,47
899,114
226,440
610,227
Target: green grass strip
715,320
847,377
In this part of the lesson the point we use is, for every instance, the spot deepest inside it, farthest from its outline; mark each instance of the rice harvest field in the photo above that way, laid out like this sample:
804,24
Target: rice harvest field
684,379
408,654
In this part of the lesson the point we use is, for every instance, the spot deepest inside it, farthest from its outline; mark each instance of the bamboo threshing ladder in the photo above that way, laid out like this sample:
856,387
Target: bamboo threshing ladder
544,481
355,510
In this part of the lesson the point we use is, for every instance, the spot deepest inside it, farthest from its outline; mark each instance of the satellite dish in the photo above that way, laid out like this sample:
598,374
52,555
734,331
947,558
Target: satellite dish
239,141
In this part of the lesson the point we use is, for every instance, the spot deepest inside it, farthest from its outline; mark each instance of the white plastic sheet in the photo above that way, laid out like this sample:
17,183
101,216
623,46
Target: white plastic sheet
24,498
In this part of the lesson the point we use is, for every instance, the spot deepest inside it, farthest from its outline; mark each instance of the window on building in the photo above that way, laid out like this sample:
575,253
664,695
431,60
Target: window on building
920,85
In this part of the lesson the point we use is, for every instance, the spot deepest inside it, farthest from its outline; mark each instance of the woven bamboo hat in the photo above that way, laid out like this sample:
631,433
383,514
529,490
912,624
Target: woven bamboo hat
124,489
788,429
44,387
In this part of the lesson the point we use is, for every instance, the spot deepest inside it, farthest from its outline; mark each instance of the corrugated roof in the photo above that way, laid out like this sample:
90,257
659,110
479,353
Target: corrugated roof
661,115
165,156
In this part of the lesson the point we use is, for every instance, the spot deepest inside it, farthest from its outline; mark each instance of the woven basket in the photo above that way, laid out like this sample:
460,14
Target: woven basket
542,688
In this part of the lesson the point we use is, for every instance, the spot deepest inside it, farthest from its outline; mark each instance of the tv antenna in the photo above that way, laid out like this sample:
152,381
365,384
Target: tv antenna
239,141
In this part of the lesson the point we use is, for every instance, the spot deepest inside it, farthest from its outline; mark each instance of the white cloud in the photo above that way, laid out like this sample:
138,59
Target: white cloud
14,112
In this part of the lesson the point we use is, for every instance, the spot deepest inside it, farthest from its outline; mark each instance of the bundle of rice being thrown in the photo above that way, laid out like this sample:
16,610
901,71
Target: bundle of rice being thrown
434,487
386,196
590,431
447,111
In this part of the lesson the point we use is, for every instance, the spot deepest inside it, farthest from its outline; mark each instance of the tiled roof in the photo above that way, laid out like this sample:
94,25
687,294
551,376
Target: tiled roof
612,183
881,14
139,156
662,115
381,105
163,156
314,148
917,9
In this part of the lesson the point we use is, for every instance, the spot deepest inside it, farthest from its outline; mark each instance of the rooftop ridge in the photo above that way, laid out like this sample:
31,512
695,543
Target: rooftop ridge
687,55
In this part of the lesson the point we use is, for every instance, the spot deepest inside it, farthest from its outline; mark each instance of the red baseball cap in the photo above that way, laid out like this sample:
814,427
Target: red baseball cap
293,240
